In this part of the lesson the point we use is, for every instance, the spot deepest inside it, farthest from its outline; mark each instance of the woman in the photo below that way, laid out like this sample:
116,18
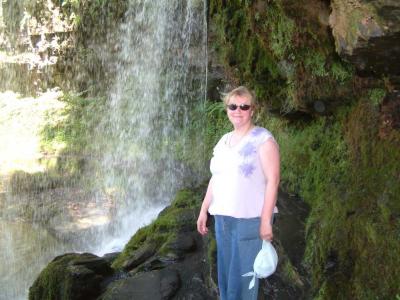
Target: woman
241,195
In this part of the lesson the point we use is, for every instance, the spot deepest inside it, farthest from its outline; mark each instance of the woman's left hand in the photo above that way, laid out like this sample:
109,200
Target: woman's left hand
266,231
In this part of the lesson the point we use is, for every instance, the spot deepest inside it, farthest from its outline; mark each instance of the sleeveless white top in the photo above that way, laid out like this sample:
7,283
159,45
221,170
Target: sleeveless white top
238,182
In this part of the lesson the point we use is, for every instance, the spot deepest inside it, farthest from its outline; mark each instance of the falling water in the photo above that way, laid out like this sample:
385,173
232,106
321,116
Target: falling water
160,81
139,145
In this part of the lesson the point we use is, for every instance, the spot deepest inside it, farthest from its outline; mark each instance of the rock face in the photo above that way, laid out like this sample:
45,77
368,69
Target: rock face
158,284
52,43
367,33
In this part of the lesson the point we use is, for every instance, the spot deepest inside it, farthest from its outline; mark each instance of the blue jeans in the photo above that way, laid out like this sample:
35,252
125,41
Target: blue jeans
238,244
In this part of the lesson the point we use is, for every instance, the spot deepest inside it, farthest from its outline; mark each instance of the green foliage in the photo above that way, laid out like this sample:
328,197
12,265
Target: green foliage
217,124
315,64
68,133
279,51
281,29
239,42
290,273
208,123
303,148
349,176
341,72
377,95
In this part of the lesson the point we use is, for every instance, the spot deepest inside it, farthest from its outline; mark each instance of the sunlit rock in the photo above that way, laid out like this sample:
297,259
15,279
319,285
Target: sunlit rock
367,33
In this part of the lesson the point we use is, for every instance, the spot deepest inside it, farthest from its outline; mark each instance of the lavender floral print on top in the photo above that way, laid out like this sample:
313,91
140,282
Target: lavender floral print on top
247,169
248,149
257,131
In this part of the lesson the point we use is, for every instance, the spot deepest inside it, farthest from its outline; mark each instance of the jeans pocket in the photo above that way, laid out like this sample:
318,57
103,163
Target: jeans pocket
248,229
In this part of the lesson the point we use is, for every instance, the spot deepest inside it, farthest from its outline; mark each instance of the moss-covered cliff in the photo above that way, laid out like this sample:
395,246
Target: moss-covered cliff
338,133
283,50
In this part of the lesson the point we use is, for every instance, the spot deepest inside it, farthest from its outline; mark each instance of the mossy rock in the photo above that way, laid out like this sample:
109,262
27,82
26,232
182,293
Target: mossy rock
71,277
178,217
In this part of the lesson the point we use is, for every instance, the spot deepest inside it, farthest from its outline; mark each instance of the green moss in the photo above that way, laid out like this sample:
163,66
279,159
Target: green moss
186,198
342,72
279,50
240,44
348,175
52,283
211,257
147,234
281,29
212,249
181,213
315,64
69,277
377,95
290,274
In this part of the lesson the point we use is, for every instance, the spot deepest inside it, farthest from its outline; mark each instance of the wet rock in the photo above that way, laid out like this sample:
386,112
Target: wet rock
187,220
110,257
182,243
155,285
158,262
92,262
169,284
139,256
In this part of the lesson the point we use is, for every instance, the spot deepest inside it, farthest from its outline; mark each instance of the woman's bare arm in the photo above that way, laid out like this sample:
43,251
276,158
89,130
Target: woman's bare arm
270,162
202,219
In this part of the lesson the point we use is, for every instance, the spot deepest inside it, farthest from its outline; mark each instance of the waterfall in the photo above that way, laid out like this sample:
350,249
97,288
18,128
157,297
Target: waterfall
140,146
160,80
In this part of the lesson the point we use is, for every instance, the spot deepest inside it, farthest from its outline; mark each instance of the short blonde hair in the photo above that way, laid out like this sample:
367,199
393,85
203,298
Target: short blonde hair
241,91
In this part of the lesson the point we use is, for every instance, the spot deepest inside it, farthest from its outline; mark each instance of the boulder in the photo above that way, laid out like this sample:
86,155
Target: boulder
71,276
367,33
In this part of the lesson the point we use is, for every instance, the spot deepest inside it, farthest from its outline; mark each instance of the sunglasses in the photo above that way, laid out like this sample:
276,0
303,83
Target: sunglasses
241,106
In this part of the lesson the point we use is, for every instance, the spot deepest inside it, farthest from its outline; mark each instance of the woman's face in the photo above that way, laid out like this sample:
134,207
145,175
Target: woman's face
239,117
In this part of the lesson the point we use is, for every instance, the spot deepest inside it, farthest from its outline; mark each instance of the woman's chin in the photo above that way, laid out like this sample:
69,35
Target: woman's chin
238,122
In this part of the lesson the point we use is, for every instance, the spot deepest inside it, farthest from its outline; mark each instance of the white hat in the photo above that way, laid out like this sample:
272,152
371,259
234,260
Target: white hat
264,264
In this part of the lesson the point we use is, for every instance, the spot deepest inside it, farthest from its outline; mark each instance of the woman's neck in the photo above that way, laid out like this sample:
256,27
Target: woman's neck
238,134
243,130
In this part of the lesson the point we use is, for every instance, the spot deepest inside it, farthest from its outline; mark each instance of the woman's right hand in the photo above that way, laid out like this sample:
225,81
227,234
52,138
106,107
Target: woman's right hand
201,223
